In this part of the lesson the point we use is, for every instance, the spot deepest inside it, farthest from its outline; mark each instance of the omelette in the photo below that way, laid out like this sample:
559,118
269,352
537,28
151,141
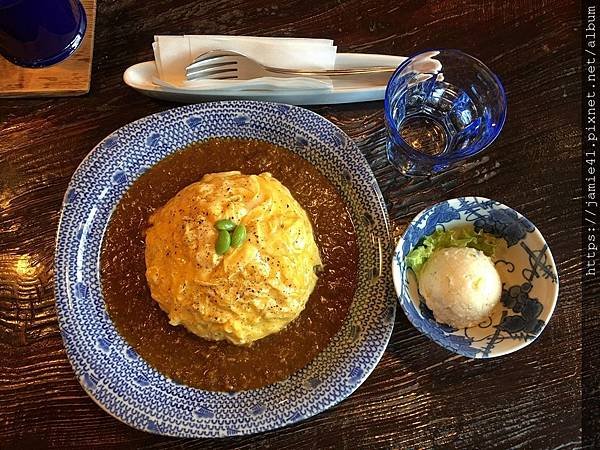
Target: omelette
252,290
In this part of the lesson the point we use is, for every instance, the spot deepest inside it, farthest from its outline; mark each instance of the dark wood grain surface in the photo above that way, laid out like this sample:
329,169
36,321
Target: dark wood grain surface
420,395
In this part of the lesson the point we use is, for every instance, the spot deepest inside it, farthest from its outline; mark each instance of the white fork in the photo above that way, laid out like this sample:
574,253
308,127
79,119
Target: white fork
228,65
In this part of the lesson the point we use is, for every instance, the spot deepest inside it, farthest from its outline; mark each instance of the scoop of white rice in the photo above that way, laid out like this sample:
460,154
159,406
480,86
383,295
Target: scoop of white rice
460,285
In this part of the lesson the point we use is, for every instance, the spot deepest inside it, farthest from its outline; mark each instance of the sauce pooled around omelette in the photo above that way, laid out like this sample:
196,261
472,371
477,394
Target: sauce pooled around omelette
219,365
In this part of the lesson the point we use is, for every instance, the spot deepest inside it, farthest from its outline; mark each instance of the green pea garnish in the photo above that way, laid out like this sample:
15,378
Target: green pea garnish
224,224
223,242
238,236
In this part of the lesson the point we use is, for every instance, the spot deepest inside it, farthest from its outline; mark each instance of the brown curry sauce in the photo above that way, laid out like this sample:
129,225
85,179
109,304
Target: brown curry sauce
221,366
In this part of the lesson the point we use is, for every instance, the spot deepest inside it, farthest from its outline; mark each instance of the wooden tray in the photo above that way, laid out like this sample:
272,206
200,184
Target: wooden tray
69,77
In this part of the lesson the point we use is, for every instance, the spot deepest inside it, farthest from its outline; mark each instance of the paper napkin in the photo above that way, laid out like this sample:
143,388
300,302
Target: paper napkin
172,54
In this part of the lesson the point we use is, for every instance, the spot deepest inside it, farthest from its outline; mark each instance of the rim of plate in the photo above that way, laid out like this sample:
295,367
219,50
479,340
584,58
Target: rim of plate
398,279
373,335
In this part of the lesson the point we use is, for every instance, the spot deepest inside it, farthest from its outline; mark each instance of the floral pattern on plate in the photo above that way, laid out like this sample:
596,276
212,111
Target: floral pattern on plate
523,260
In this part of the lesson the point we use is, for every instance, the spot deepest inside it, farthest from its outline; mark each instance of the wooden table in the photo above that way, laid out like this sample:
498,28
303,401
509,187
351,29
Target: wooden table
420,395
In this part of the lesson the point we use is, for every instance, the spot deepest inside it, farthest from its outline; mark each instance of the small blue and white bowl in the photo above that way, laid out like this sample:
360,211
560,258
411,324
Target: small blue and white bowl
524,263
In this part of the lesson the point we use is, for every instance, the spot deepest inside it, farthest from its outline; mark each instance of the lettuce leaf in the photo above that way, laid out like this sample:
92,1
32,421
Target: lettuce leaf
451,238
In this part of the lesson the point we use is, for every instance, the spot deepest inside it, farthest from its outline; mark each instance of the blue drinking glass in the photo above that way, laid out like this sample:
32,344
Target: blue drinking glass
39,33
441,107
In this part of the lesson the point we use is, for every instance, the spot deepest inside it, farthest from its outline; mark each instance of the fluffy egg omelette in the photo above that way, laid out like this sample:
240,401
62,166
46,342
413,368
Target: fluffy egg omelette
252,290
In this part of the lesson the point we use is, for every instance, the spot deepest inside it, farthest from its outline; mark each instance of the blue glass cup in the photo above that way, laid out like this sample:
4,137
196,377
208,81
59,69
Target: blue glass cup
441,107
39,33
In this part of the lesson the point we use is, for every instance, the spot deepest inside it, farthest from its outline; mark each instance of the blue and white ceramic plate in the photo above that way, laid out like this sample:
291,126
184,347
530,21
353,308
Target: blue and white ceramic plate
523,261
122,382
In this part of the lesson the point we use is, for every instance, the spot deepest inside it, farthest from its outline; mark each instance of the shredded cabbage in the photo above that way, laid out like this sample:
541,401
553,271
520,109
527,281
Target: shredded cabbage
451,238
